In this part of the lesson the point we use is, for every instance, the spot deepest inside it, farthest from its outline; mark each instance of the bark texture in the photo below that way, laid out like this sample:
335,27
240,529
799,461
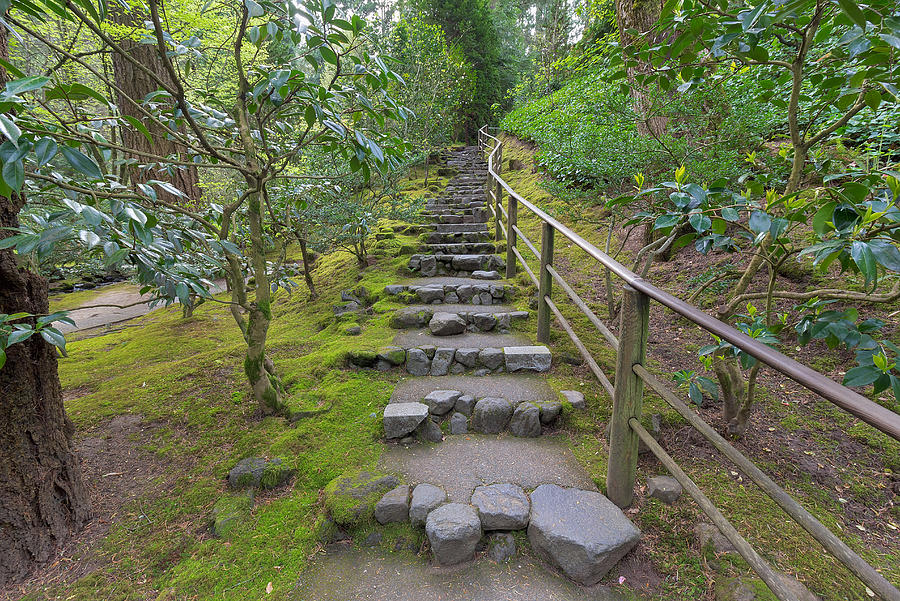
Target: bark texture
42,497
640,15
135,84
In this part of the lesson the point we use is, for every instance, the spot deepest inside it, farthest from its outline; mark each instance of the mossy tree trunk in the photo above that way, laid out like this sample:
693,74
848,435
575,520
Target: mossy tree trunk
43,500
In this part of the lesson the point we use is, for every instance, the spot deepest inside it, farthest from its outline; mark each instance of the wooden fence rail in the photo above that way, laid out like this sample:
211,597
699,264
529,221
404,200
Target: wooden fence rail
630,377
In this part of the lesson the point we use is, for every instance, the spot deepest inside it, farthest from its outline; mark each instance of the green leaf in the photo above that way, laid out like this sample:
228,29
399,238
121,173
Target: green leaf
81,162
2,358
54,337
328,54
851,9
44,150
135,123
75,91
730,214
873,99
664,221
861,376
695,394
886,254
18,336
254,9
760,222
865,260
822,217
14,174
10,129
27,84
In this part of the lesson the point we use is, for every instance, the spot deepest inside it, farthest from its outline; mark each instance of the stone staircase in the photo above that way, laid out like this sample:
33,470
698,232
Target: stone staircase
470,438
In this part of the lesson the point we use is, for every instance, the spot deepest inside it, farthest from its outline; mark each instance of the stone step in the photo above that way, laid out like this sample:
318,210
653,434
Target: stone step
344,572
455,205
514,387
466,413
463,248
436,291
454,265
456,237
453,218
448,320
461,463
422,354
447,228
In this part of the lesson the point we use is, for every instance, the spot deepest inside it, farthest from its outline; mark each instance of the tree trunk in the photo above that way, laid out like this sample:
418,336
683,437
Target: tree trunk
260,371
136,85
307,268
42,497
640,15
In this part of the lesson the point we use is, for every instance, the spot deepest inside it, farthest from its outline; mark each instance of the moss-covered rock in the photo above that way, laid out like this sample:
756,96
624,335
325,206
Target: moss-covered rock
394,355
256,472
231,514
350,499
363,358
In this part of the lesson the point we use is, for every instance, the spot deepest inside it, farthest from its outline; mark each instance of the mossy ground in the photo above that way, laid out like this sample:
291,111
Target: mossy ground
184,378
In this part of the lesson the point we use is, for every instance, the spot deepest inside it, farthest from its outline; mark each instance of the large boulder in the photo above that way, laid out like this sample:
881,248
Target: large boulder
526,421
428,431
393,506
393,355
430,294
459,424
453,531
411,318
550,410
446,324
441,401
350,499
501,506
402,418
491,415
580,531
425,499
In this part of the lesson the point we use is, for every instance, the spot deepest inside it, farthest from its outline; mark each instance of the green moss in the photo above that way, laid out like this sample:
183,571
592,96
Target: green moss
231,514
351,497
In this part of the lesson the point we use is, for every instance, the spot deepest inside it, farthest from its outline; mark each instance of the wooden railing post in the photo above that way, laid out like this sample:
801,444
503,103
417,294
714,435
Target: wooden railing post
629,388
546,282
498,196
512,210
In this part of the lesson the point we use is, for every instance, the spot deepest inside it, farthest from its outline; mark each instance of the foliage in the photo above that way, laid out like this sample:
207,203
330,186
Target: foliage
11,333
437,81
472,25
253,123
588,134
855,222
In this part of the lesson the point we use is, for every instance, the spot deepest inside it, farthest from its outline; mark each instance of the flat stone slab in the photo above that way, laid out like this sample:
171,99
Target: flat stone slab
514,388
461,463
344,573
527,358
402,418
581,532
413,338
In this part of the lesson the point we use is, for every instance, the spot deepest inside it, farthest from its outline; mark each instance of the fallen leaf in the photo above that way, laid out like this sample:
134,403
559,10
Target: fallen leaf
269,588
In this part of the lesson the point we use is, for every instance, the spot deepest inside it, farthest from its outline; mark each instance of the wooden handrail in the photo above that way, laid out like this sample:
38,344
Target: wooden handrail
854,403
631,375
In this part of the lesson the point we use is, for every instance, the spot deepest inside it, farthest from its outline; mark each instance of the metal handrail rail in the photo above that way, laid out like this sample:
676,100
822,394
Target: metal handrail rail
872,413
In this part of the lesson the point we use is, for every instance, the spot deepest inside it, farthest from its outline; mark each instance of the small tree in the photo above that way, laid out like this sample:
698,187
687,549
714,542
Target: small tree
252,123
